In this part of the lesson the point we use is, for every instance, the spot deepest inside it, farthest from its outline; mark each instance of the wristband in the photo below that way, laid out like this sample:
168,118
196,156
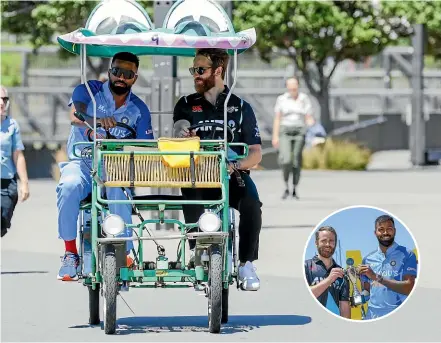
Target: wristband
236,165
379,278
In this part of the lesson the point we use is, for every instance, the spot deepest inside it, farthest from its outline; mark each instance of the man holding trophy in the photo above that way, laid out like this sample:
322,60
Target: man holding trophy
387,273
325,277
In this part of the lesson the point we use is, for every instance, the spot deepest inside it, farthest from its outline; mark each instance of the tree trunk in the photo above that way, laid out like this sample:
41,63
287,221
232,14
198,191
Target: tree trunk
325,112
318,85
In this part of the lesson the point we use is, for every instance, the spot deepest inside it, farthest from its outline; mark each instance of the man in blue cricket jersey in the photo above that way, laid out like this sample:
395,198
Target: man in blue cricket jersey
115,102
389,272
325,276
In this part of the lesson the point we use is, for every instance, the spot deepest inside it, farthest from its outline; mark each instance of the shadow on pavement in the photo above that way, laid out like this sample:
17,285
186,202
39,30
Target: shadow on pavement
236,324
290,226
26,272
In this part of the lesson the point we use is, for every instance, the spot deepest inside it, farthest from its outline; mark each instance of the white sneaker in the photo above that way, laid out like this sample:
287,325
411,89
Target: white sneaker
248,277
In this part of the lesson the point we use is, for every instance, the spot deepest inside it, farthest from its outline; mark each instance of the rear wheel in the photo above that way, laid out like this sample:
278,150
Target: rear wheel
215,290
110,289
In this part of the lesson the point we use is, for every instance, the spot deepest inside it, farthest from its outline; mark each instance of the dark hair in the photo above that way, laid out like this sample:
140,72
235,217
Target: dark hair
126,56
384,218
325,228
218,58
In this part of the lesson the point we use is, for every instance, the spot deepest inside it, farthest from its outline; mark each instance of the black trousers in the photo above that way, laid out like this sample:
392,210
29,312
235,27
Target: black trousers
9,201
245,200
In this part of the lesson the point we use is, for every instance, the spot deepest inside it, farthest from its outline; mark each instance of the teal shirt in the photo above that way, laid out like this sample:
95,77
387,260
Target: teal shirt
10,142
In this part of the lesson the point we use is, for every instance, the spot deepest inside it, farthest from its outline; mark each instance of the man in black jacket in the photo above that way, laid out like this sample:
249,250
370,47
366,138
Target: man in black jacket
205,106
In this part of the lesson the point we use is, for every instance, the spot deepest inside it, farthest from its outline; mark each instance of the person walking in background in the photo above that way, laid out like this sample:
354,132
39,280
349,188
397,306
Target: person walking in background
289,132
13,162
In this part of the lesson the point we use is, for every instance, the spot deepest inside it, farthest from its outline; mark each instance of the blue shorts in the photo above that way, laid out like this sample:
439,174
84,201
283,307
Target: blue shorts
9,201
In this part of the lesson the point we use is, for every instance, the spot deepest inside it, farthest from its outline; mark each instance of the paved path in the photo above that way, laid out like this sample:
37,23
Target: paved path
36,307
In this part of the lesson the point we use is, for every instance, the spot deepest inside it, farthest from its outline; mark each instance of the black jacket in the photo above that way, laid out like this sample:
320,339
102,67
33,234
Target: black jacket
241,118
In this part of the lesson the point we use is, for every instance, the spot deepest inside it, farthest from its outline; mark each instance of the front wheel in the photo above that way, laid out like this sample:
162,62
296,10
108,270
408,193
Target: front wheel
110,289
225,293
215,290
94,305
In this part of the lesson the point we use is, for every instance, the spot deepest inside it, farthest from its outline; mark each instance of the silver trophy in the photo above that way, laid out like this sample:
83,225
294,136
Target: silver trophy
358,297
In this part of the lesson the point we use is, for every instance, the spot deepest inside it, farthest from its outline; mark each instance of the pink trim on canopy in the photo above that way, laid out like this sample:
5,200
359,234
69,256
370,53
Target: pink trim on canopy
240,40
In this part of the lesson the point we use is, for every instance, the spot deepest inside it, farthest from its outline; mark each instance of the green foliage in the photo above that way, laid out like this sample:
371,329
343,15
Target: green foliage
317,36
419,12
336,155
11,67
317,30
41,20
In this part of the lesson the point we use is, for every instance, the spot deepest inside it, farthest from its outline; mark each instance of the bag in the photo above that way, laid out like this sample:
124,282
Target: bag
179,144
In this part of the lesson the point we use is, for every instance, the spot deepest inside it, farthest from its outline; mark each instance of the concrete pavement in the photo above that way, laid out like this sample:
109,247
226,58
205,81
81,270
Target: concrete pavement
37,307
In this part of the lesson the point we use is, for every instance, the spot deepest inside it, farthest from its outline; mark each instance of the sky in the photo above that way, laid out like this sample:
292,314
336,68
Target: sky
355,230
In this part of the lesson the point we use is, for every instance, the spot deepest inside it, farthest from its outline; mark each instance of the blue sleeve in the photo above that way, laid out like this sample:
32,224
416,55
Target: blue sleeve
250,129
410,265
17,143
144,128
81,94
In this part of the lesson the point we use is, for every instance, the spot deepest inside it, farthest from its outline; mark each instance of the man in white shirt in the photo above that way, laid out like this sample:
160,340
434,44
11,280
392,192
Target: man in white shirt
289,131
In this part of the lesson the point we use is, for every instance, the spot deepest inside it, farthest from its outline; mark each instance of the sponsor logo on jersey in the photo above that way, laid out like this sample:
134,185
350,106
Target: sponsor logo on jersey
102,108
197,108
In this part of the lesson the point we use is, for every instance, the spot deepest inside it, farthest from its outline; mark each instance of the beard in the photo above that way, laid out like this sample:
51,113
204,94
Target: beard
386,242
206,84
119,90
324,253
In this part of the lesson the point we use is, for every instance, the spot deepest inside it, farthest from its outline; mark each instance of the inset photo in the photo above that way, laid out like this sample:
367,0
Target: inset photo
361,263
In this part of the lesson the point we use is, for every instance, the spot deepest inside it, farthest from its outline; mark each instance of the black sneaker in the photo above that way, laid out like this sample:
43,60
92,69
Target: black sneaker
285,194
294,194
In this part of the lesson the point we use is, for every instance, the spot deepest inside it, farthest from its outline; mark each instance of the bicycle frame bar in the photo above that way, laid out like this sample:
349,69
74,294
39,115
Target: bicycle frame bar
227,99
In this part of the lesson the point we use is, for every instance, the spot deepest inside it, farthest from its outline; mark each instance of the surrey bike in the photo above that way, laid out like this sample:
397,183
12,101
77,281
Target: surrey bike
165,162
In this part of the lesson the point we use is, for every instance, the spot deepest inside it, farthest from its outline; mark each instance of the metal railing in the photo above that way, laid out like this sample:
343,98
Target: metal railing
43,112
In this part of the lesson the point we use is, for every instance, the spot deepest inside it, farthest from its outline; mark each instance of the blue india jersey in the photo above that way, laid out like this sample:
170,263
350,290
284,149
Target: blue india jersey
395,264
134,112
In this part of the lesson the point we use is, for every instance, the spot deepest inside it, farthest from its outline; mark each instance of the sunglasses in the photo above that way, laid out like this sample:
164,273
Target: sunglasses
128,74
5,99
199,70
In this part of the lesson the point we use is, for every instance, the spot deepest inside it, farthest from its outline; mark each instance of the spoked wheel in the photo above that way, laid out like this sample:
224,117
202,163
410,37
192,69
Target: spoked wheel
94,305
225,293
110,289
215,290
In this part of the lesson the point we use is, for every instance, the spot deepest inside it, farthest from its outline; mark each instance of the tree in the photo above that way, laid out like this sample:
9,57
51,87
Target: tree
317,36
41,20
419,12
